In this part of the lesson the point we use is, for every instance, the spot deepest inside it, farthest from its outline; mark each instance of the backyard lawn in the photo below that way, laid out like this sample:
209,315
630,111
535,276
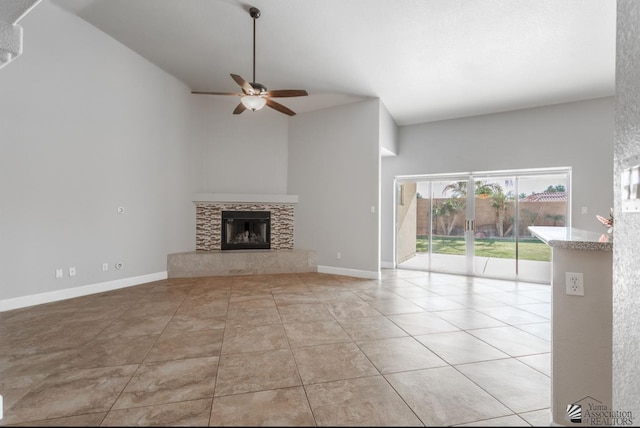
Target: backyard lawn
499,248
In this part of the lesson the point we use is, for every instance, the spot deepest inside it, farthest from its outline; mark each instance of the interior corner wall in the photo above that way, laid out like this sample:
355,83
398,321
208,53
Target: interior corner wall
578,135
334,169
388,131
626,258
245,153
89,126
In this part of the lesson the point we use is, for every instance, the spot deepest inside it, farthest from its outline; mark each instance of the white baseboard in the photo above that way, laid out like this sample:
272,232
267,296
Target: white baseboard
387,265
350,272
69,293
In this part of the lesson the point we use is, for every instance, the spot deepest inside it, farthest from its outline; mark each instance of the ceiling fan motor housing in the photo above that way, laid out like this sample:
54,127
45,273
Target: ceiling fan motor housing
259,88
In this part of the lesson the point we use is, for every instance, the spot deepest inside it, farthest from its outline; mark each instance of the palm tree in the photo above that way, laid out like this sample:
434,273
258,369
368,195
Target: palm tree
447,213
484,189
458,189
499,201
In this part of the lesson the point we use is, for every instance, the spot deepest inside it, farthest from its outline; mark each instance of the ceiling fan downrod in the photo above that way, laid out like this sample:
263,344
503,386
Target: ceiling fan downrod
255,14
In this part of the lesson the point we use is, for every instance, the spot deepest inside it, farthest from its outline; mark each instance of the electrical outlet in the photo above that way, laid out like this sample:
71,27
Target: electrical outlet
338,255
59,273
119,265
105,267
575,283
72,271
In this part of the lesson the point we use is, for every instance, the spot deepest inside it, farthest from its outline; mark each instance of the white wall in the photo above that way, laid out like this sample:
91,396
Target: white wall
88,126
245,153
579,135
334,168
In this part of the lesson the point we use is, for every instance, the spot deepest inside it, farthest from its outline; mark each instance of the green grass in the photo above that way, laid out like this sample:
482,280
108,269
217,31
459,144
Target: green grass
499,248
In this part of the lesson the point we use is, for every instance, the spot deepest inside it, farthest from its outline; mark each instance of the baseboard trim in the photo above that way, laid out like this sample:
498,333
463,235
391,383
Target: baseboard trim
350,272
387,265
69,293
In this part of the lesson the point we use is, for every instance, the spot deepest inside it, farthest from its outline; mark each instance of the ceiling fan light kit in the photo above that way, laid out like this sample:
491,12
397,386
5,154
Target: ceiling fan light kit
253,102
254,95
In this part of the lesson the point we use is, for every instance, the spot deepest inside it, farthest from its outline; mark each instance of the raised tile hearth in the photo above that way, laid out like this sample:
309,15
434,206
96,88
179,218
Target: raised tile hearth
241,262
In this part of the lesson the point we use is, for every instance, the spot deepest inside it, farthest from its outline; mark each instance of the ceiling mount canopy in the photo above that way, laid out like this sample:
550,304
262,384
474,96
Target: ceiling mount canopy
255,95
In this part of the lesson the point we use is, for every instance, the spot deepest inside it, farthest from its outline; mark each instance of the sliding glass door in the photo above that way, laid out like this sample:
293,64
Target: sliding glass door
432,228
495,245
477,223
446,235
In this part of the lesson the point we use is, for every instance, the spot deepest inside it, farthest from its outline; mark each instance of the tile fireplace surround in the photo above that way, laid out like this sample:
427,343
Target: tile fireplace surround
209,260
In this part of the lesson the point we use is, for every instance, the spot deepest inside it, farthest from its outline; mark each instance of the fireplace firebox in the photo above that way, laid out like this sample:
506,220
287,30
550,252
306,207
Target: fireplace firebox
246,230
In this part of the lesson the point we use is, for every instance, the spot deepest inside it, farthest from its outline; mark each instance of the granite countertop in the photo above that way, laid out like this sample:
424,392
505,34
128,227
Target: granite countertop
571,238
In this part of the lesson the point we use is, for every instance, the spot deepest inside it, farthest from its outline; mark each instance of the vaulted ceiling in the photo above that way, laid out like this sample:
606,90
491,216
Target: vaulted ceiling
425,59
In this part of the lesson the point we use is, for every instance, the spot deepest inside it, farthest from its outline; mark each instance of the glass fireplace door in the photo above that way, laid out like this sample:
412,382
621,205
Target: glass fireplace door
246,230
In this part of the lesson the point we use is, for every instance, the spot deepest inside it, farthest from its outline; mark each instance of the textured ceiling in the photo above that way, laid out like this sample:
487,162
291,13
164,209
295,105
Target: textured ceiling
11,11
425,59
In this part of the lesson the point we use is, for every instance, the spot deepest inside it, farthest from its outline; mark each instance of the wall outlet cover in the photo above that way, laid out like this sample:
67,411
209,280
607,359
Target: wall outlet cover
575,283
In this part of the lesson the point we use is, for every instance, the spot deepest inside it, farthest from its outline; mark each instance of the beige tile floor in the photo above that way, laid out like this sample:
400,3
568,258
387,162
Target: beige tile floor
413,349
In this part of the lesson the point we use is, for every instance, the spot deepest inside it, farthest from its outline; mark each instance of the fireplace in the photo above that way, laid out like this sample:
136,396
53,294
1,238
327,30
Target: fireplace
209,208
246,230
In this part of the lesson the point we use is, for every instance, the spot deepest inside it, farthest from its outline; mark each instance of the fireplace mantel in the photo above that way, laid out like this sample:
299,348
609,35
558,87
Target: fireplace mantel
244,198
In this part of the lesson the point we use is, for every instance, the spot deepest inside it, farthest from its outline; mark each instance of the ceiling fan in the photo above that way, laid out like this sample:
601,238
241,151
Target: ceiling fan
254,95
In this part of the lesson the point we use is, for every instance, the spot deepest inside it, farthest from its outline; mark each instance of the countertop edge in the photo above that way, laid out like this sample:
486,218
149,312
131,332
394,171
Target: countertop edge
561,237
581,245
